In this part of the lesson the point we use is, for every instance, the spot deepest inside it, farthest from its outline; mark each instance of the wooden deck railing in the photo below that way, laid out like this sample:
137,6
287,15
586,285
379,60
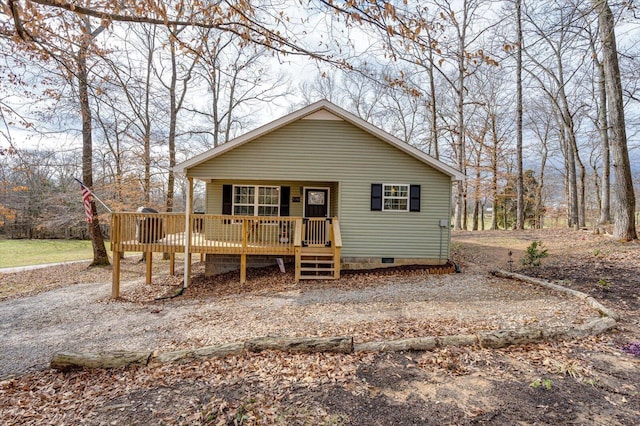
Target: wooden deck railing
316,232
218,234
164,232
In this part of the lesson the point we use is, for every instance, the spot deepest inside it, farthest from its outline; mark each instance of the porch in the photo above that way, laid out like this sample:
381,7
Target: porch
314,242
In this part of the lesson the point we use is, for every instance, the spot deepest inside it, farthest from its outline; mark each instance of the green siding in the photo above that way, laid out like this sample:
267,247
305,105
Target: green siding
341,155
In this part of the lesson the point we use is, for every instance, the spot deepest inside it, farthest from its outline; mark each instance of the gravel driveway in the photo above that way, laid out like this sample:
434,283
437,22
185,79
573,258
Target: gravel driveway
82,318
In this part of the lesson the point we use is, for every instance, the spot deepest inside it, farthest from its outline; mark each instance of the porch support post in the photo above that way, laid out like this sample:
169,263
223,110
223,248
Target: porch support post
297,245
187,234
243,256
115,277
115,243
243,268
298,260
149,257
172,263
336,241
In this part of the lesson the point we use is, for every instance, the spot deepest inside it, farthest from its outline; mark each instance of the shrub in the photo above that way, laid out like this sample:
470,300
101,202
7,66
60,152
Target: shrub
534,254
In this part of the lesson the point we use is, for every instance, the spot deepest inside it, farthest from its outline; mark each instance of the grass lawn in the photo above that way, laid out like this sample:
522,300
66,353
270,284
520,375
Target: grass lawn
34,252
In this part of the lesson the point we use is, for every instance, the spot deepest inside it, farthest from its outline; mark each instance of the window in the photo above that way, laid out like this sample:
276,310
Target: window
315,198
395,197
244,200
256,200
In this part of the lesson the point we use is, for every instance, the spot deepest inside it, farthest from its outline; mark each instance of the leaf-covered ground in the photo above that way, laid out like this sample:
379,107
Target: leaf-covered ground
585,381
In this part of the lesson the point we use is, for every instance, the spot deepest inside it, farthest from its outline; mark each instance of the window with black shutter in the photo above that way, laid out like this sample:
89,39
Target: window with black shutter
395,197
252,200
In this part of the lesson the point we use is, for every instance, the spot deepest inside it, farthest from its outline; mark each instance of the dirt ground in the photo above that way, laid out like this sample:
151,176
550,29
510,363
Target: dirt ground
593,380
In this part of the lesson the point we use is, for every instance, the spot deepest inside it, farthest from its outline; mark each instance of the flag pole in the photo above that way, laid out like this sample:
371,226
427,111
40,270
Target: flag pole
93,195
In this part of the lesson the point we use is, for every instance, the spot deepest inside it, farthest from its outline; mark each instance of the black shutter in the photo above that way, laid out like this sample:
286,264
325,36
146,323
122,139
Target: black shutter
376,196
285,192
227,199
414,198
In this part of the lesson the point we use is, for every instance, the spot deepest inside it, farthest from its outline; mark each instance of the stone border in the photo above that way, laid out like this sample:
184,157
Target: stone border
68,361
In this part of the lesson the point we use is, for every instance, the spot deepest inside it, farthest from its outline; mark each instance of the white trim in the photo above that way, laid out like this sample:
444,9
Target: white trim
323,114
304,198
307,111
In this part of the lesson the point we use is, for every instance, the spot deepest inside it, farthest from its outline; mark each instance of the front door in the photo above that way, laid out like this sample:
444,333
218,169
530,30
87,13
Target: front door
316,202
316,209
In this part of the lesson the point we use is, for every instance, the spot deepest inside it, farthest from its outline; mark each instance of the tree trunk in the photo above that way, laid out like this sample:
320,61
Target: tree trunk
100,256
539,209
476,214
460,209
173,118
624,202
603,124
519,171
569,137
432,106
147,124
476,187
465,206
494,173
581,197
573,186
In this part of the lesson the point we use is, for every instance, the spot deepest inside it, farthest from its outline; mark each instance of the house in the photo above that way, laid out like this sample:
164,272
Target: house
320,187
392,201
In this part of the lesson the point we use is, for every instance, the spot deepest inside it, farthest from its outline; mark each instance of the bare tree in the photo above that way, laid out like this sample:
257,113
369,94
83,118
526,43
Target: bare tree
237,78
322,86
602,124
177,96
132,72
623,192
100,256
540,121
559,38
519,171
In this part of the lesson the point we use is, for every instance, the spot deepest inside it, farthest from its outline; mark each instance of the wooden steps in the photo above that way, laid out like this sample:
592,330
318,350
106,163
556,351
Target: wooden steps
317,263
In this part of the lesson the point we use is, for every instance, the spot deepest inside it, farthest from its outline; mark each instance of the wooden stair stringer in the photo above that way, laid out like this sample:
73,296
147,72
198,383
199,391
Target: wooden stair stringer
317,263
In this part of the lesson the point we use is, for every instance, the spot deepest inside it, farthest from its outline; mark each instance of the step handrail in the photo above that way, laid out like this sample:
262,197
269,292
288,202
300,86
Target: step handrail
337,236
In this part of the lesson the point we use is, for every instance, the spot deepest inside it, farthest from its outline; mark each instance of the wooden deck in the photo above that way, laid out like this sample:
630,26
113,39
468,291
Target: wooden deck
315,242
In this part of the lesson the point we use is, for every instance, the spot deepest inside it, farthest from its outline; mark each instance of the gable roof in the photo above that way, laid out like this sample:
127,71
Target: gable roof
307,111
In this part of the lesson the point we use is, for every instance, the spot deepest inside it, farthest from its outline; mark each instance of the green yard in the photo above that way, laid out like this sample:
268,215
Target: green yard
34,252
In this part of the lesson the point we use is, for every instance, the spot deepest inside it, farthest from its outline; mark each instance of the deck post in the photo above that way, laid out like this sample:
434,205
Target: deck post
336,240
115,240
149,257
336,263
243,256
297,243
243,268
172,263
115,276
187,234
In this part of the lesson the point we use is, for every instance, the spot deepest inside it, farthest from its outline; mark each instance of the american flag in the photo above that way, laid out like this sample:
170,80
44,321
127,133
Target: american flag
86,200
